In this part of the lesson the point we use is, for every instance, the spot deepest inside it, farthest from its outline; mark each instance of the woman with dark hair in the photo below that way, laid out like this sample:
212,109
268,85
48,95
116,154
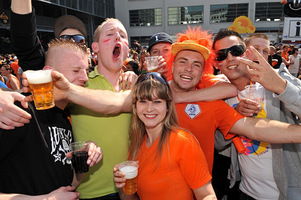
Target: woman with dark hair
12,81
171,162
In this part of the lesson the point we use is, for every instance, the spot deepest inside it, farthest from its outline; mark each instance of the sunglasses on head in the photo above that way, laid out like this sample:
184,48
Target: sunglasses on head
236,50
77,38
155,75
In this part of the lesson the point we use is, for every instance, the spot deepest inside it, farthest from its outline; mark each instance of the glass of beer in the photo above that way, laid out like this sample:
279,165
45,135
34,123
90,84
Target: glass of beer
40,83
152,63
130,168
79,156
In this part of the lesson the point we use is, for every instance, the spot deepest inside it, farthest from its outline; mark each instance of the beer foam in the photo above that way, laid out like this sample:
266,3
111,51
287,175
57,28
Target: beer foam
39,76
130,171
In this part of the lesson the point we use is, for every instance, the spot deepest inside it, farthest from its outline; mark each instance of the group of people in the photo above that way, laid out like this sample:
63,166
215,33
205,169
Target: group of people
290,56
169,121
10,72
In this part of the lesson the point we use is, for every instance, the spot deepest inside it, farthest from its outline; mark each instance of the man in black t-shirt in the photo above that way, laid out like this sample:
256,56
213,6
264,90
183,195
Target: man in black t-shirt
33,158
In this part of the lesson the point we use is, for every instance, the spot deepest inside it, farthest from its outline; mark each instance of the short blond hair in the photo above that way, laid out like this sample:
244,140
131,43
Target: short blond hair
68,44
98,30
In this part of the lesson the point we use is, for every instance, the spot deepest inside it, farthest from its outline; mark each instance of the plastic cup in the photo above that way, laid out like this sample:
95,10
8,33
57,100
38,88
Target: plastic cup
79,156
130,168
152,63
254,92
40,83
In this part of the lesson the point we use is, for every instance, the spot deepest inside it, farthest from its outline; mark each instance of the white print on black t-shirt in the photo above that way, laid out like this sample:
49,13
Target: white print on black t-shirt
60,139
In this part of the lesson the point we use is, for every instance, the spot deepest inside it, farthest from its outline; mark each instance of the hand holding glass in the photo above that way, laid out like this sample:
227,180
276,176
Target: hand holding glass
79,156
130,168
40,83
255,92
152,63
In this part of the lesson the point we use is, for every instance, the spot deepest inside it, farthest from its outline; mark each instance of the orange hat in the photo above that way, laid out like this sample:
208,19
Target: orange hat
190,45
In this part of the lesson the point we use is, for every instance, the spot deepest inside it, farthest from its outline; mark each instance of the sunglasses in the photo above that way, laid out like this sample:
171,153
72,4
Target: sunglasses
77,38
155,75
236,50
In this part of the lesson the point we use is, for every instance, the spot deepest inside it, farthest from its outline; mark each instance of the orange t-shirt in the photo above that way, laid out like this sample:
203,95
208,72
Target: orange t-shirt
203,118
284,55
182,168
15,66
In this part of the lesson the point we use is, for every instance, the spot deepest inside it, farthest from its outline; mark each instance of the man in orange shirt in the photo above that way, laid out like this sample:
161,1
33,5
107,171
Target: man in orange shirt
284,54
190,54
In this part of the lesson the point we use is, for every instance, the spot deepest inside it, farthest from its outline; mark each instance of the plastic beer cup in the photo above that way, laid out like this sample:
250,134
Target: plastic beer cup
130,168
152,63
79,156
40,83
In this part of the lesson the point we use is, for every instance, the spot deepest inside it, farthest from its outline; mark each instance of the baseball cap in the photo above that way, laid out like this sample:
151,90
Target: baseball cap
69,21
190,45
157,38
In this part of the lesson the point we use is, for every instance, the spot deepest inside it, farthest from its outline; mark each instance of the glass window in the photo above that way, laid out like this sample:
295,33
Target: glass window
85,5
147,17
69,3
185,15
269,11
227,12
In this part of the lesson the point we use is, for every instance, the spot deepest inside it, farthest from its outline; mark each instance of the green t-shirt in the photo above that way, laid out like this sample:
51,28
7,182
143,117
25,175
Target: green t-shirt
110,132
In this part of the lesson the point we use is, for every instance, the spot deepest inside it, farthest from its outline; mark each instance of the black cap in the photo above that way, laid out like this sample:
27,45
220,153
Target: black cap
157,38
69,21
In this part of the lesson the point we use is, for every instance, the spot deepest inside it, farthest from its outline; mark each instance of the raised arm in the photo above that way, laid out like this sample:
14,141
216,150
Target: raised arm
25,41
285,87
265,130
102,101
220,90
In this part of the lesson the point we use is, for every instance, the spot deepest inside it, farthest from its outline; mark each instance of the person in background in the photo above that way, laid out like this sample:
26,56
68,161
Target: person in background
276,58
284,54
294,60
12,81
133,66
159,45
142,67
162,148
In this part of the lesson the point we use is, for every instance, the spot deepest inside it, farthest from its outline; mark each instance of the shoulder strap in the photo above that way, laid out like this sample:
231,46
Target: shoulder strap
40,130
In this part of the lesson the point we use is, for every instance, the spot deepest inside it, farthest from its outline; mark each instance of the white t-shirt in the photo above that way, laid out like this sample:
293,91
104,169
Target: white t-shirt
294,68
256,163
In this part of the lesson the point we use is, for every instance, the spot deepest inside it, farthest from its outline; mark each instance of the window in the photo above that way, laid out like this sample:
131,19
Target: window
227,12
269,11
147,17
185,15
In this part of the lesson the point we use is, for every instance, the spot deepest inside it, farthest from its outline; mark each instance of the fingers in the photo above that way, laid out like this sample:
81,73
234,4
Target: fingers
119,177
69,154
95,154
127,80
14,117
248,107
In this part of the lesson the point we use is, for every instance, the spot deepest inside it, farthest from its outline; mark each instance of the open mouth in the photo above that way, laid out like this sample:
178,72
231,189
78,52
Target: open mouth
232,67
186,78
116,51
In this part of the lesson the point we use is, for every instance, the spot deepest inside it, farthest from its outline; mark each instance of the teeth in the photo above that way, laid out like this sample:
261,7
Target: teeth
232,67
150,116
186,77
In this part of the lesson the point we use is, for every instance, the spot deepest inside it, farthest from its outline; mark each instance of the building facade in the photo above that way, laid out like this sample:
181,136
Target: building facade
91,12
142,18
